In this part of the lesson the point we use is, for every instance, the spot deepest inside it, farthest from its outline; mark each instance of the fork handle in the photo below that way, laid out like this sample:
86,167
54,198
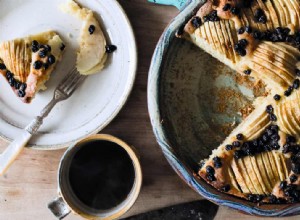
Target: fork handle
16,147
13,150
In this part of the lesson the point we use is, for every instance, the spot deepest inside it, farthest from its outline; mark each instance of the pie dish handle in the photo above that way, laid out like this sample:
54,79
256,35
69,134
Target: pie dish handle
180,4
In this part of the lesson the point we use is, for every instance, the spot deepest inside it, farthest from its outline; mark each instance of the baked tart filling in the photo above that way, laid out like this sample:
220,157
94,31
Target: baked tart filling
27,63
93,50
260,159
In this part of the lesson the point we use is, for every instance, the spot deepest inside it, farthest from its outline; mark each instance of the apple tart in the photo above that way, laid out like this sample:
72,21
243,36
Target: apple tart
26,63
260,159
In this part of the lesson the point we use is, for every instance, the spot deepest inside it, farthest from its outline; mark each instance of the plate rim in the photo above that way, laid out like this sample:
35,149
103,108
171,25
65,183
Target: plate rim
121,102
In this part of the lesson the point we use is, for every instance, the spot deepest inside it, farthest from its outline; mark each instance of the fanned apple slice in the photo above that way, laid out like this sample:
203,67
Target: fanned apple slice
28,62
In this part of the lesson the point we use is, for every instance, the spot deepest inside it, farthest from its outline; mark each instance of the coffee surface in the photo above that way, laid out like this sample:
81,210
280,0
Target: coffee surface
101,174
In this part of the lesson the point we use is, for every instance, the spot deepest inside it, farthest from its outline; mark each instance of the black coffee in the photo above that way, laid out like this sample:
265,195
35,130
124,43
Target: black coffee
101,174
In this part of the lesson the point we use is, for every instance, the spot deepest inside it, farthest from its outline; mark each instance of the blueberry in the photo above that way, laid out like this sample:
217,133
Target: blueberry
228,147
211,178
257,35
265,138
37,65
196,22
110,48
217,159
243,43
286,148
23,86
259,198
46,66
2,66
294,159
259,12
273,117
274,127
180,30
290,139
263,19
9,75
43,53
249,149
11,81
296,84
235,10
247,4
34,49
201,165
17,84
47,48
226,7
276,146
236,144
275,137
293,178
283,185
251,198
269,132
269,109
238,154
296,168
62,47
92,29
21,93
277,97
51,59
286,30
272,199
248,29
217,162
241,30
210,170
242,52
34,43
225,188
289,39
267,147
289,190
247,72
240,136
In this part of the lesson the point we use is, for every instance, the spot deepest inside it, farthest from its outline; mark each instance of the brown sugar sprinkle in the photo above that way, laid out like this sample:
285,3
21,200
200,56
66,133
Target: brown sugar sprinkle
258,87
223,95
246,111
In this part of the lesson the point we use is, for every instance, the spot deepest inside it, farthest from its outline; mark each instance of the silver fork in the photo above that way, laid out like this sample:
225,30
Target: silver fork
62,92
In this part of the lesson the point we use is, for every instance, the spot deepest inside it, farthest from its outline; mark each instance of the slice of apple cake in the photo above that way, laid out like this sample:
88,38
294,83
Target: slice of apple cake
26,63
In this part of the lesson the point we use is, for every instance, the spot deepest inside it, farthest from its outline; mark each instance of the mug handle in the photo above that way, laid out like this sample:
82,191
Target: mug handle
59,208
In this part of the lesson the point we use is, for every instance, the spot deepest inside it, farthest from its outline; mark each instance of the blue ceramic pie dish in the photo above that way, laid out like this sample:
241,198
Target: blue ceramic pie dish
193,102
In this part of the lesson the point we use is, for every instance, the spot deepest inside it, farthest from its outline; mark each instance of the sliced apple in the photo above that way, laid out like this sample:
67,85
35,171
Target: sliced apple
92,54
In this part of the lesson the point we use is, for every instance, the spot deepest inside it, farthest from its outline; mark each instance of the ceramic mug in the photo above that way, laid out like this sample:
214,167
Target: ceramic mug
67,202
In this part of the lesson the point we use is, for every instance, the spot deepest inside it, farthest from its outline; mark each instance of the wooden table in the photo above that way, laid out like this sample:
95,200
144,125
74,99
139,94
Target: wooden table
31,182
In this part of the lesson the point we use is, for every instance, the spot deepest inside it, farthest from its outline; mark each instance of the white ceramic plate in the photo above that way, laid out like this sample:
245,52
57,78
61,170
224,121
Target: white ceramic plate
98,99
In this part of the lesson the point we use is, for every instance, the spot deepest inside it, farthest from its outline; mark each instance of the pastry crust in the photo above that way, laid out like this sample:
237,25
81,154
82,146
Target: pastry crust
260,159
19,58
